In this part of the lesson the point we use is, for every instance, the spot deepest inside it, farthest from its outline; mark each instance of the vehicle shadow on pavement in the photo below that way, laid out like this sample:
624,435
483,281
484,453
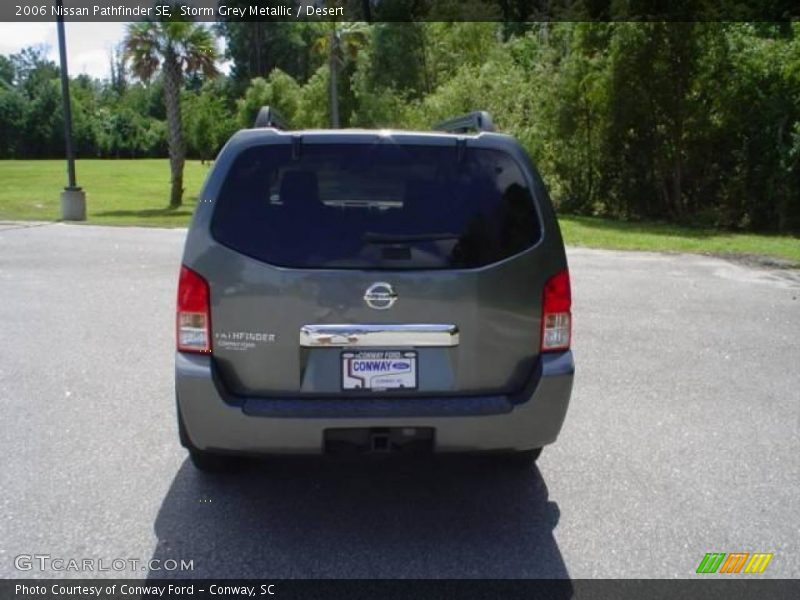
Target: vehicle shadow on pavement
451,518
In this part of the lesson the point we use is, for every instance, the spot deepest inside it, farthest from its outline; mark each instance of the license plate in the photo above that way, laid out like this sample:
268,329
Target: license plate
379,370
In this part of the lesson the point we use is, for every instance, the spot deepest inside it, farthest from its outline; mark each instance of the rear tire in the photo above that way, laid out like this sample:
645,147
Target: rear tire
207,462
211,463
522,460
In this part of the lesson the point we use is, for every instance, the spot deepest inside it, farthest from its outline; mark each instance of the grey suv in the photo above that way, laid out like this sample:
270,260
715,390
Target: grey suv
372,291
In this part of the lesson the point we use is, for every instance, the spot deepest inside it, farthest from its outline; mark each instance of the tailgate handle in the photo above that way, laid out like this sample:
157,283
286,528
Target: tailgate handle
382,336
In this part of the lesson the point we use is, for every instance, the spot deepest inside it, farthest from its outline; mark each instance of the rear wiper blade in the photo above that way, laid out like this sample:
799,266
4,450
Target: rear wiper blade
387,238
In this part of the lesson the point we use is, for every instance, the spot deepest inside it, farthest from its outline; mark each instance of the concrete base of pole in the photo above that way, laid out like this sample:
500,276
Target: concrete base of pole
73,204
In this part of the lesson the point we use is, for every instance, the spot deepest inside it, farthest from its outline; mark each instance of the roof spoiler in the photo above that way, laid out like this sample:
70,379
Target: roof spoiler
478,120
269,117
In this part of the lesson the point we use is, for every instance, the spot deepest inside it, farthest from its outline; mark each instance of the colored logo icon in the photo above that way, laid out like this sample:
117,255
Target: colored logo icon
735,562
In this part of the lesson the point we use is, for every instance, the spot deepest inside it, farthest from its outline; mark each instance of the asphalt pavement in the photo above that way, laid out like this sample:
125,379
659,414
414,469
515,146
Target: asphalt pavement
681,439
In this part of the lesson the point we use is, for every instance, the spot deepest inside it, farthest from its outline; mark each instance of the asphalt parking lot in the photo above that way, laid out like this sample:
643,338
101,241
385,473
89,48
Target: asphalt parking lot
682,437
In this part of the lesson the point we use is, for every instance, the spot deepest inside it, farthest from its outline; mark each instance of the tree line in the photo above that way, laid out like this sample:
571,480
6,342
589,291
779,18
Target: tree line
685,122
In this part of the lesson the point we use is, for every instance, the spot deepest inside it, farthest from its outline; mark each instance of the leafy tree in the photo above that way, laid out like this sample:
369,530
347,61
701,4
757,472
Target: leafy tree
30,106
31,68
312,102
279,90
7,72
304,106
755,70
12,122
43,121
208,122
174,49
377,105
118,70
255,49
450,46
398,58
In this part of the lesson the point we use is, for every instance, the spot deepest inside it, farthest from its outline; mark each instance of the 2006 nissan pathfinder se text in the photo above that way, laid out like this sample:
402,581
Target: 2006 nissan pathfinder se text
380,291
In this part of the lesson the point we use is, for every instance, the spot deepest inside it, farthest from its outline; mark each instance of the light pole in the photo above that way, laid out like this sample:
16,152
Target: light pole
73,198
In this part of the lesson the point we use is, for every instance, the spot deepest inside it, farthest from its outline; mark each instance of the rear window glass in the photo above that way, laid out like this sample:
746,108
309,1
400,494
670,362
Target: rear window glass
385,205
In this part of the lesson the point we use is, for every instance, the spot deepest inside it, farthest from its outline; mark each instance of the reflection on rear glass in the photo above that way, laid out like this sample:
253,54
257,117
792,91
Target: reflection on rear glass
375,206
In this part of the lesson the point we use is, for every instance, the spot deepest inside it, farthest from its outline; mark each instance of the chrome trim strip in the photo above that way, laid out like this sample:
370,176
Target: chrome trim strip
378,336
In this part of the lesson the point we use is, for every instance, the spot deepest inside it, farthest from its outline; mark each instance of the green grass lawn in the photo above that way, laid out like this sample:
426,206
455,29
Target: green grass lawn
136,192
620,235
118,192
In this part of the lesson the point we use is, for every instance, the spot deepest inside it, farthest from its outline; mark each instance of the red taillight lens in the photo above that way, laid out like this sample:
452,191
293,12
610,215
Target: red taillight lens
556,317
194,313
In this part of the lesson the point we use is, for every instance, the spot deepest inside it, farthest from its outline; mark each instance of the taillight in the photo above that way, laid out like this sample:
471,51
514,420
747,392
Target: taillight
194,313
556,317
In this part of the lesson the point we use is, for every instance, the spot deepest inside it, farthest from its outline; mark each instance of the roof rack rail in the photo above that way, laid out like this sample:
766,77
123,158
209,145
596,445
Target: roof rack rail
478,120
269,117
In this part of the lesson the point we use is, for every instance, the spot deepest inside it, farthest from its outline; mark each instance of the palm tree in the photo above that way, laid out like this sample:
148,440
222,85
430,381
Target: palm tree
175,49
340,45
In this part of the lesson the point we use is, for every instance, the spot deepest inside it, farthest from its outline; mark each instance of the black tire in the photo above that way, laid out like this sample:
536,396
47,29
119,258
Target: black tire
211,463
207,462
522,460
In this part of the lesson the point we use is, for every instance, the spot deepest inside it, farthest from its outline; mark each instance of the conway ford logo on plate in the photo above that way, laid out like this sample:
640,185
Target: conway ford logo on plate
380,296
379,370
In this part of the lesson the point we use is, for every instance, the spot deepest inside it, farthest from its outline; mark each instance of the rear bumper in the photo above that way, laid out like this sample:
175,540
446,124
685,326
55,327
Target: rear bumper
216,421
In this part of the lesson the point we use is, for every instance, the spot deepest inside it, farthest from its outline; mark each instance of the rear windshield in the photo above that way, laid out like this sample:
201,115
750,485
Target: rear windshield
383,205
